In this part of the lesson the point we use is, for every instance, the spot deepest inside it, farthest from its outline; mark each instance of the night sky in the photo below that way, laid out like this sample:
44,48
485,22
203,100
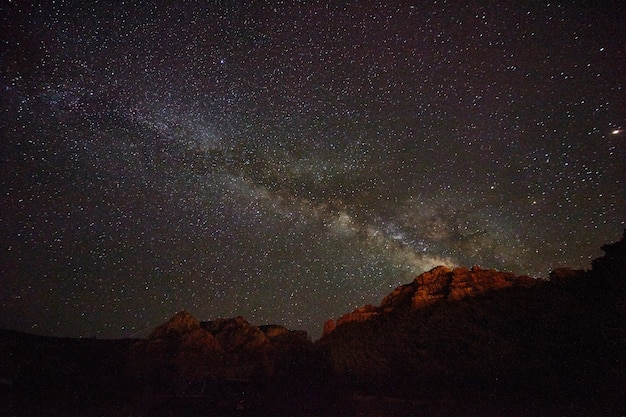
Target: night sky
291,162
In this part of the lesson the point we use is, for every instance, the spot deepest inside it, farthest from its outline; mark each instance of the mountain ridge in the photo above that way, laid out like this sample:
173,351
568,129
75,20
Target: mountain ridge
439,284
462,341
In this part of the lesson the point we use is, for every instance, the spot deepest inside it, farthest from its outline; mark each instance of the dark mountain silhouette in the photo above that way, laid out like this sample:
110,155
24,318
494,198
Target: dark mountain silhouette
483,340
452,342
440,283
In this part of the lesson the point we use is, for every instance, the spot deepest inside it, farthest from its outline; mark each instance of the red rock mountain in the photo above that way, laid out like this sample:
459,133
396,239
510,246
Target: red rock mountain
181,323
227,347
440,283
451,342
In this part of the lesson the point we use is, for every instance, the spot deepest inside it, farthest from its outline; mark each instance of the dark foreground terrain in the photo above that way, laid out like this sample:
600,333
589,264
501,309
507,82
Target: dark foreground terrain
453,342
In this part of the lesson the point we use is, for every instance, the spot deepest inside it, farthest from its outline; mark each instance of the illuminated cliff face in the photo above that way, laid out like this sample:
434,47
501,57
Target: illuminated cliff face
439,284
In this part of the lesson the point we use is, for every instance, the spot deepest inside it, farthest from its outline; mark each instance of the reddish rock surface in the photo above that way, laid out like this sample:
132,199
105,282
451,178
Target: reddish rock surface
329,326
185,333
440,283
181,323
236,334
524,347
226,347
360,314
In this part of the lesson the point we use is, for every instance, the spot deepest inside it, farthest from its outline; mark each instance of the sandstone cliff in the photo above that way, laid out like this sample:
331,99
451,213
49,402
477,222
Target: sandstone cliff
438,284
477,336
451,342
237,335
225,347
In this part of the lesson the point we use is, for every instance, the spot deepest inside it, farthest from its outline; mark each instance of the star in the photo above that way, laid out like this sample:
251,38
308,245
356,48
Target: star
290,162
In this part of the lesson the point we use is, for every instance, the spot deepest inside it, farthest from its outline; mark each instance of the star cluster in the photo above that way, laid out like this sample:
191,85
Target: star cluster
289,161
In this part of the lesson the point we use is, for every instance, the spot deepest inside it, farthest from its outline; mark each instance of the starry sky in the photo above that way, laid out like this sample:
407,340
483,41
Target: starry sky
291,161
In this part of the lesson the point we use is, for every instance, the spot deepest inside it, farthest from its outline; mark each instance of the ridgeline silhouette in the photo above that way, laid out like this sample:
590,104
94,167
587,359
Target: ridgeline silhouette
452,342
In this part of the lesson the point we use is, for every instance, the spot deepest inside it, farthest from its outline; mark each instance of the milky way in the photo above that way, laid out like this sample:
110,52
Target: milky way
290,162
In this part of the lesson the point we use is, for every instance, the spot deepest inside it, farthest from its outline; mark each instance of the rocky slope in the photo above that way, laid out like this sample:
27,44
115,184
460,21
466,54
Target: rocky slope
184,347
476,338
451,342
439,284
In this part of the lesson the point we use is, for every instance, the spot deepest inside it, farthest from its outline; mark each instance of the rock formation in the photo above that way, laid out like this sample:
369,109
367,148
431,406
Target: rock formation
179,347
521,338
181,322
440,283
237,335
183,332
226,347
432,347
279,335
612,265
